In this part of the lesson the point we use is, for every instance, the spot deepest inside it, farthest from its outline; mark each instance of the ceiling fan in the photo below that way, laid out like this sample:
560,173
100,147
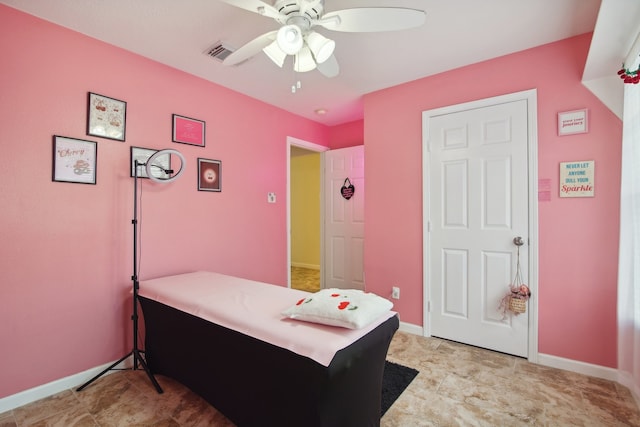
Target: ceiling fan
310,49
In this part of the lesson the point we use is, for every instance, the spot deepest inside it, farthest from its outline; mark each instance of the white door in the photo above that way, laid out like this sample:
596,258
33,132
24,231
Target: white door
343,261
478,201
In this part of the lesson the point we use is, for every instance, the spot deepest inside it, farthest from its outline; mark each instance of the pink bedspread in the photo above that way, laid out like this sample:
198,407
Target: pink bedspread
253,308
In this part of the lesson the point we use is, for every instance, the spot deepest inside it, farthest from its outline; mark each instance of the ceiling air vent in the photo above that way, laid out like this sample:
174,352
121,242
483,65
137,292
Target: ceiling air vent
219,51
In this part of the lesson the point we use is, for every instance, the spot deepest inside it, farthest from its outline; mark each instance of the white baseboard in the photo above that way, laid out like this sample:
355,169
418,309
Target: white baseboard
547,360
579,367
411,329
626,379
597,371
45,390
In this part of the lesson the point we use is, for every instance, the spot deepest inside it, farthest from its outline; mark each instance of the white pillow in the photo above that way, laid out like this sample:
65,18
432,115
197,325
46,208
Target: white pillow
348,308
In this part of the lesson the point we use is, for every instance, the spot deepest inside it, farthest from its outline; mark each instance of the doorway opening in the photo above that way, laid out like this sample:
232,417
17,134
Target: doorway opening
304,215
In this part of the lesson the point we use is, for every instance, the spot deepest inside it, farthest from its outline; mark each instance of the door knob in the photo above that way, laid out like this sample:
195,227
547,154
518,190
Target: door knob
518,241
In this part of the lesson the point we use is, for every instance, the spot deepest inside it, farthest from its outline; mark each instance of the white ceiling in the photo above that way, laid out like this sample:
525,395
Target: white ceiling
617,28
456,33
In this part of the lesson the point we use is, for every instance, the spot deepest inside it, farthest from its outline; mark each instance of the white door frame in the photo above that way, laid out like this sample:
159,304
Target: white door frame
295,142
532,119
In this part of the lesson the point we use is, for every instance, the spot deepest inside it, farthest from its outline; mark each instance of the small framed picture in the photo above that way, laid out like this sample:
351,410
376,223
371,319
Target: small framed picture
572,122
209,175
141,154
106,117
188,131
74,160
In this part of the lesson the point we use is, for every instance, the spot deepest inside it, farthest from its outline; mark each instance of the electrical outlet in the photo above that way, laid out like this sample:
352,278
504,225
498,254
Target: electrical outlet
271,197
395,292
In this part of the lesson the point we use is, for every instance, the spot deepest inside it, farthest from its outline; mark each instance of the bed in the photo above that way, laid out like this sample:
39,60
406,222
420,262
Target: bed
226,339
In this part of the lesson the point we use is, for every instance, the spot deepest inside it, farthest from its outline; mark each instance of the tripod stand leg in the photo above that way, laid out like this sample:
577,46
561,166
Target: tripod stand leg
82,387
137,358
148,371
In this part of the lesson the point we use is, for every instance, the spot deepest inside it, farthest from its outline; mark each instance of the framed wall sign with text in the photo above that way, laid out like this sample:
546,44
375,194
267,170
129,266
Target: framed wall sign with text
572,122
74,160
577,179
188,131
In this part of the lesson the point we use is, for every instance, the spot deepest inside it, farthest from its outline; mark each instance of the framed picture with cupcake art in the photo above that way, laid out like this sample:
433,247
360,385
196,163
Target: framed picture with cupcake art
106,117
209,175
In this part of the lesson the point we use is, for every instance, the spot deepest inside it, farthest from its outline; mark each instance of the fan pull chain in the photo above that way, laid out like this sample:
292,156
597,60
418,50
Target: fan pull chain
296,86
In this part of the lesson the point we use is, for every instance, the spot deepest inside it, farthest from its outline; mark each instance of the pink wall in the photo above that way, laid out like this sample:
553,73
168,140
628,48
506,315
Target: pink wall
65,258
578,238
66,252
346,135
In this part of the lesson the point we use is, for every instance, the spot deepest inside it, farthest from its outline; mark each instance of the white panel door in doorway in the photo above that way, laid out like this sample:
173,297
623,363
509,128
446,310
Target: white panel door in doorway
478,203
344,218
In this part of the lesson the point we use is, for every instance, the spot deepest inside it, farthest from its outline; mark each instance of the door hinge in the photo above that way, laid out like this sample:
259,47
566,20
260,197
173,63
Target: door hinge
428,306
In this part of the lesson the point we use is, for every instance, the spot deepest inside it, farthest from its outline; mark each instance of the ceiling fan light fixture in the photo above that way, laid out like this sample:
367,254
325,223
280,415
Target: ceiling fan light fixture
321,47
304,61
289,39
276,54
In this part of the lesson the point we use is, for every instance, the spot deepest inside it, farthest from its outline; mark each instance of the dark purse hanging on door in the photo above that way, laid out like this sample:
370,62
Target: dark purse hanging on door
347,190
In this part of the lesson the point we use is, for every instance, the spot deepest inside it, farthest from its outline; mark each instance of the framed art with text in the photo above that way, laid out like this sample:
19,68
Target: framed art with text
577,179
74,160
572,122
188,131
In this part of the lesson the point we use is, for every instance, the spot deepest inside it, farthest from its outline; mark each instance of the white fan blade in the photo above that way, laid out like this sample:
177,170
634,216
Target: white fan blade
372,19
258,7
251,48
330,67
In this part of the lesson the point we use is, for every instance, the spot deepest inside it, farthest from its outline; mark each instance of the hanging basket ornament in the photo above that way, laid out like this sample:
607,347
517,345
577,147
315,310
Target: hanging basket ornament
515,301
516,304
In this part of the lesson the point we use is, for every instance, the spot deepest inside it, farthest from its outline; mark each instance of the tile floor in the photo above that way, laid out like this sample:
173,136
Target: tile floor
305,279
458,385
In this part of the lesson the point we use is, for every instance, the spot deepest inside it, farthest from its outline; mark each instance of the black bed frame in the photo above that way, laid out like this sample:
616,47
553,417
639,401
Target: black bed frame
254,383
